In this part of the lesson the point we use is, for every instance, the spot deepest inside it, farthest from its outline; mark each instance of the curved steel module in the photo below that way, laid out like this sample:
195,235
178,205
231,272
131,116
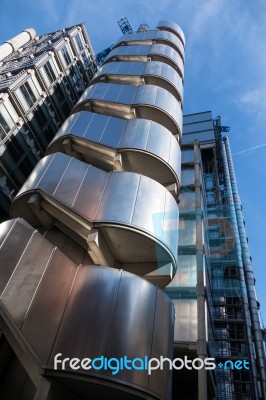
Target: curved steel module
155,52
151,37
134,145
132,213
128,101
81,312
171,27
121,218
137,73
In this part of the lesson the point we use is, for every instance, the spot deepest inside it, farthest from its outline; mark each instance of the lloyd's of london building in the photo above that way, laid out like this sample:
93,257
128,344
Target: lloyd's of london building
93,265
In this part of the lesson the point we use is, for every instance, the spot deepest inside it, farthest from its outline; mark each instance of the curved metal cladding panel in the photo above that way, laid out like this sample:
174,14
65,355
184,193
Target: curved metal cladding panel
152,72
171,27
156,52
158,37
129,101
146,147
134,214
83,312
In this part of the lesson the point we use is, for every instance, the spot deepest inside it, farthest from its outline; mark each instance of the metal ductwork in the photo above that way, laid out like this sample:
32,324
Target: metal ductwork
249,276
9,46
233,220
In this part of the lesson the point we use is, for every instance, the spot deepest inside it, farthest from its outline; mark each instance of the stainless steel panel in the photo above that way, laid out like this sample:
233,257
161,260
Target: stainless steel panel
165,108
170,39
122,68
149,102
136,36
4,230
169,54
113,132
170,223
159,381
45,314
114,197
144,144
172,27
97,128
106,92
90,193
141,51
87,320
146,95
127,94
146,38
14,234
39,178
175,156
157,52
93,314
168,74
69,180
150,201
133,325
112,93
136,134
118,200
26,277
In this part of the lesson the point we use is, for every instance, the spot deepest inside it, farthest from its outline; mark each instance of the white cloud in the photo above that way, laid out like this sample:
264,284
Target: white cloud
254,101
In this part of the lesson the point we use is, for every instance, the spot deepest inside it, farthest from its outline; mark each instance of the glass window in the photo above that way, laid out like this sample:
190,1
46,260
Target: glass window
28,94
187,176
79,43
187,200
187,271
66,55
76,80
4,128
187,232
6,122
187,155
49,72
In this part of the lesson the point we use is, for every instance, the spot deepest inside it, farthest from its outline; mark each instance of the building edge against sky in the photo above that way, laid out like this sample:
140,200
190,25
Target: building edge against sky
128,125
41,79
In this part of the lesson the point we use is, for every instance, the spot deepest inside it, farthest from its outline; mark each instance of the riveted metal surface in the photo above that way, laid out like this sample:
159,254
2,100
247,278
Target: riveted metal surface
172,27
156,52
149,102
146,38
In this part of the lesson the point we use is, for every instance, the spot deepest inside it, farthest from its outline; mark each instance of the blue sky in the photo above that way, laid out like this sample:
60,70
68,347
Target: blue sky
225,72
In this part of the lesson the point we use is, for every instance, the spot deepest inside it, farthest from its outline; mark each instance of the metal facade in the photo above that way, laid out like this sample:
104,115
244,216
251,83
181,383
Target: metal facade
108,189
